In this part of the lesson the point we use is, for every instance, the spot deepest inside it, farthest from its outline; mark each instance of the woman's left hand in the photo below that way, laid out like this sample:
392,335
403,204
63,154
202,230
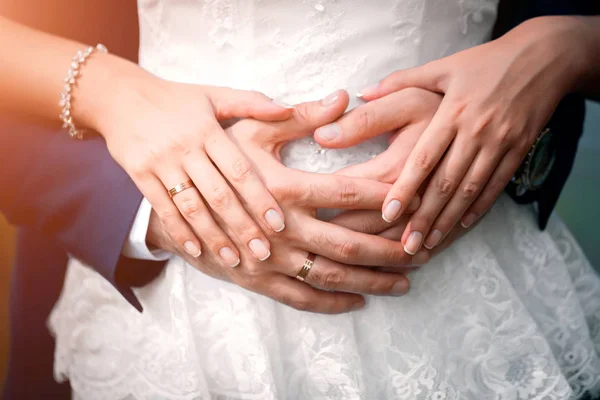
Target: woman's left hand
497,98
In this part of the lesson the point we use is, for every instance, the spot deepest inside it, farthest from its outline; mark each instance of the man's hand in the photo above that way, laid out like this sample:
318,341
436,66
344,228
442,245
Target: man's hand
342,270
497,98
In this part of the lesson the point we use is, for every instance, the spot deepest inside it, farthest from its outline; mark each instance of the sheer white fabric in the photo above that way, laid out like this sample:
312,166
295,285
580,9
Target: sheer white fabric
508,312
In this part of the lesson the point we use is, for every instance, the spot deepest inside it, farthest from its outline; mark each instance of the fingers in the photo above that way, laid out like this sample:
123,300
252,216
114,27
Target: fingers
231,103
307,117
493,188
370,120
423,158
225,204
192,208
304,297
467,192
370,221
428,76
439,192
242,175
170,218
330,275
386,167
333,191
349,247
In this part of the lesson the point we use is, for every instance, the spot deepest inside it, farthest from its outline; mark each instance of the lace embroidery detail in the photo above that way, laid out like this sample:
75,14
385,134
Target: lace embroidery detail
506,313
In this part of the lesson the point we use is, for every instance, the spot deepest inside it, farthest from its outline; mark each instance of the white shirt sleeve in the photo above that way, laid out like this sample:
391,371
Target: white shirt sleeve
135,246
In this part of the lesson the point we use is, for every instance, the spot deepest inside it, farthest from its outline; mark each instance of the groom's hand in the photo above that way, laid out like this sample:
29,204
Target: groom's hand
417,108
343,270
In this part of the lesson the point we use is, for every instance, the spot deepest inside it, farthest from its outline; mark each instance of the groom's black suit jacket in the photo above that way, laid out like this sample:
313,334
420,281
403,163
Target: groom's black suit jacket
71,197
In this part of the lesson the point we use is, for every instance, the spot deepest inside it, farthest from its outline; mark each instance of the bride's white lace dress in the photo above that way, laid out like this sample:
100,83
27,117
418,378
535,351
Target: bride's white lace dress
508,312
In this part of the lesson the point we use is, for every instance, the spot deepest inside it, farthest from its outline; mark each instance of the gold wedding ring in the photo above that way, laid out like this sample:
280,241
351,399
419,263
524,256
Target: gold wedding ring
308,264
180,188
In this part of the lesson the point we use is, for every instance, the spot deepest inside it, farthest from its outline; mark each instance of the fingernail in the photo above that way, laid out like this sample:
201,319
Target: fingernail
358,306
468,220
282,104
275,220
192,249
332,98
400,288
420,258
369,90
433,239
258,248
413,244
229,257
328,132
391,211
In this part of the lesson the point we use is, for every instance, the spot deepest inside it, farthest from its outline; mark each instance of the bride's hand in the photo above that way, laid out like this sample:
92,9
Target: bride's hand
337,277
498,96
164,134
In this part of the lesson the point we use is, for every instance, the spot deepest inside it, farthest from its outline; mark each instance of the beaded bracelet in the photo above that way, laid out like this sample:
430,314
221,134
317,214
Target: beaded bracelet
66,96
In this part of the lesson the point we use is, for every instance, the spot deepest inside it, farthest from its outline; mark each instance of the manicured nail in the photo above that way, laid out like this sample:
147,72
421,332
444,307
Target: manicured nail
229,257
413,244
192,249
275,220
468,220
391,211
368,91
433,239
328,132
258,248
332,98
358,306
282,104
400,288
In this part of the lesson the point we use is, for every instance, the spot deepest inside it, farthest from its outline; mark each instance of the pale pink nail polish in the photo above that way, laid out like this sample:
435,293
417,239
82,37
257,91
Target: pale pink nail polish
331,99
229,257
400,288
391,211
420,258
328,132
414,242
433,239
275,220
368,91
259,249
192,249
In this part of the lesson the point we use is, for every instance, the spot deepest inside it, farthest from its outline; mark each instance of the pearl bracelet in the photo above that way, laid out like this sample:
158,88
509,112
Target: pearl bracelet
66,96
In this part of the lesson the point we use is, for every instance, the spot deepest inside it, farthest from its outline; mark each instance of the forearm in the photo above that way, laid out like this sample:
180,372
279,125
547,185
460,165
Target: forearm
33,65
588,81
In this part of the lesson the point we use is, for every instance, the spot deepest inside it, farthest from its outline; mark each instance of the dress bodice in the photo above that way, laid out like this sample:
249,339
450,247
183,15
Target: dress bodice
302,50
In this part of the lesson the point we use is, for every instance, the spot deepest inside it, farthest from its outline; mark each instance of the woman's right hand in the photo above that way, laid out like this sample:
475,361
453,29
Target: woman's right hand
165,133
342,271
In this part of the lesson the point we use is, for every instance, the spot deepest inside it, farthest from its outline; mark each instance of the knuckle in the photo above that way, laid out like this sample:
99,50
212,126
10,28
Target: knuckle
333,279
248,230
457,109
298,304
220,198
349,250
470,190
189,207
242,169
165,214
445,187
423,161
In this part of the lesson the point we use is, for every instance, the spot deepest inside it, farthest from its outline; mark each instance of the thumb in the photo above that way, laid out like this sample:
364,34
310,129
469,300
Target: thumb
230,103
427,77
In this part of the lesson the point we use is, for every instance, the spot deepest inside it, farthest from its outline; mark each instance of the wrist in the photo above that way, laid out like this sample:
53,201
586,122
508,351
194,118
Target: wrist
102,87
563,51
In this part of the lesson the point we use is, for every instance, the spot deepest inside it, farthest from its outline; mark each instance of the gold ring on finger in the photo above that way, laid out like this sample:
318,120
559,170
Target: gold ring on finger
180,188
308,264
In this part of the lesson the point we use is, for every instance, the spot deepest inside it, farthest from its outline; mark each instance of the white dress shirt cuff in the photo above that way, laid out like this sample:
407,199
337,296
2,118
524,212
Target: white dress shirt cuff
135,247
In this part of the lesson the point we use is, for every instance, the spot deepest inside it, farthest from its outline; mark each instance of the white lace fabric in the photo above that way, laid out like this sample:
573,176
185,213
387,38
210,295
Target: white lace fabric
508,312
